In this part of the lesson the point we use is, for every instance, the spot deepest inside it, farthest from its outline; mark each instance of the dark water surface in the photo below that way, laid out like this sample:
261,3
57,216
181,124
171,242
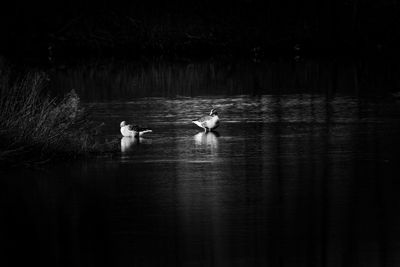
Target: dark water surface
288,180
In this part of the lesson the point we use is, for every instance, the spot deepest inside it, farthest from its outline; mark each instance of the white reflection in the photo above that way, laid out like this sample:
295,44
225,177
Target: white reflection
208,139
201,195
128,143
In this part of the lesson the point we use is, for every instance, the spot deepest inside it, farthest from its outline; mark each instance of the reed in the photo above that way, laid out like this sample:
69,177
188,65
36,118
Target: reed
37,128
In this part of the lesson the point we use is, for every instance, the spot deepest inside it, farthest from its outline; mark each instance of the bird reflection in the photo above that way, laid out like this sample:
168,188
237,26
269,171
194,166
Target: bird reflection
129,142
208,139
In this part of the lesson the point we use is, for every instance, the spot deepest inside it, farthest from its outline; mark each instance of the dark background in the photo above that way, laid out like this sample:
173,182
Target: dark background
299,177
199,28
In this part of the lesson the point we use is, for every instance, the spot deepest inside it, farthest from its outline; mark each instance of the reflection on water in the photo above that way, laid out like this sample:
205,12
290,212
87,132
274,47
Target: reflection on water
288,180
207,139
128,143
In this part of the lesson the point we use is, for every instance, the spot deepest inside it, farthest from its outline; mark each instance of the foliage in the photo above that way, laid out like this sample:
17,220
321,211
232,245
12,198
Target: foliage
36,128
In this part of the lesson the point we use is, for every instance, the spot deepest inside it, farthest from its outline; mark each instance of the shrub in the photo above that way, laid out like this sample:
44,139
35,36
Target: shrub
36,128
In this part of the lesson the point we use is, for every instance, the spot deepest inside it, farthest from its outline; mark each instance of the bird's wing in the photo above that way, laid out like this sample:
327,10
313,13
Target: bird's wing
133,127
204,119
137,128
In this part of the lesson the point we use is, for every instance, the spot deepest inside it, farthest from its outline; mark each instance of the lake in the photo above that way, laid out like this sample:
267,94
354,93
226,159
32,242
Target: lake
302,176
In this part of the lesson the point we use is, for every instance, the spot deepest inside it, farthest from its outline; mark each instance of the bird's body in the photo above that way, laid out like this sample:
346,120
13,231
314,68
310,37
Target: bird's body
209,122
133,130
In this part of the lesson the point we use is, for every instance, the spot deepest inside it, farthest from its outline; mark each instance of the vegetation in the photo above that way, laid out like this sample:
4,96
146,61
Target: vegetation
200,28
36,128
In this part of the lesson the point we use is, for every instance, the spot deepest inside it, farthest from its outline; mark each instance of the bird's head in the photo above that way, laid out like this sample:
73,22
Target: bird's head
213,112
122,124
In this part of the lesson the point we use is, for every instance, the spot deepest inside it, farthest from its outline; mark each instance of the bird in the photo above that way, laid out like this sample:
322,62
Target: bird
133,130
209,122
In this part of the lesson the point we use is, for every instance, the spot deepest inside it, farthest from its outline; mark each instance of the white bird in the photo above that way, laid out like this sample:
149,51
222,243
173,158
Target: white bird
133,130
209,122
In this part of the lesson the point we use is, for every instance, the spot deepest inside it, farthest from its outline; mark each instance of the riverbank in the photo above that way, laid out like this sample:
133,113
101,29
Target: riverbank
37,128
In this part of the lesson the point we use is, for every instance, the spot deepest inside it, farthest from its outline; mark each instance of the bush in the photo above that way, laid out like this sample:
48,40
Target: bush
36,128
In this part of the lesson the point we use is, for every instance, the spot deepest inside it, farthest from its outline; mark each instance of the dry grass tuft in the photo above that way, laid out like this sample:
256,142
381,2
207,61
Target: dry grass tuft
36,128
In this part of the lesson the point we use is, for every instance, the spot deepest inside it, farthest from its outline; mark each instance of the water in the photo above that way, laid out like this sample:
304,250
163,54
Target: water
287,180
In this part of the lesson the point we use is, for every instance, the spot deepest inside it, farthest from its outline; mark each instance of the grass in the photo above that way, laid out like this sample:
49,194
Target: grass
119,80
36,128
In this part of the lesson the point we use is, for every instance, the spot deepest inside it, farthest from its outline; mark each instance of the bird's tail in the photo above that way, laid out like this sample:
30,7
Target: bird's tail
145,131
197,123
